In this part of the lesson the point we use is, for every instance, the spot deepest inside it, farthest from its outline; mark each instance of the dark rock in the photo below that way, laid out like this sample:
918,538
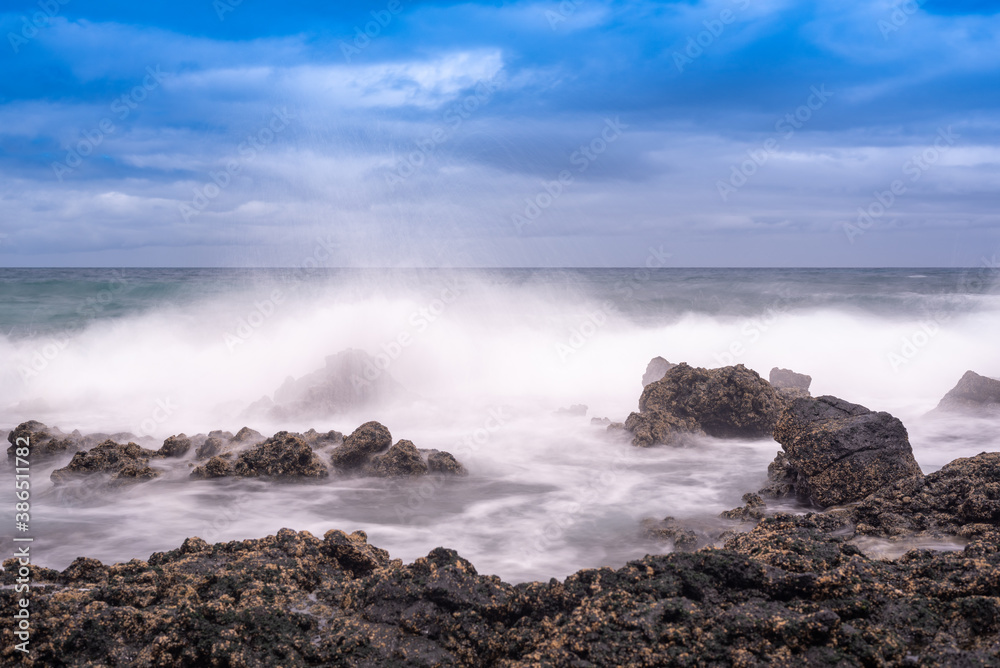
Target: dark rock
783,379
752,510
210,448
317,439
963,498
44,442
974,394
444,462
659,428
369,439
669,529
655,370
282,455
175,446
353,553
216,467
837,452
248,436
575,409
125,463
401,459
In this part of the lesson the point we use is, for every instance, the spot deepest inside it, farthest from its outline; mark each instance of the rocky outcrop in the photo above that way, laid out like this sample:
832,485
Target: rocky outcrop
680,537
974,394
175,446
655,370
963,499
444,462
836,452
794,591
784,379
126,463
350,380
283,455
730,402
751,511
402,459
44,442
369,439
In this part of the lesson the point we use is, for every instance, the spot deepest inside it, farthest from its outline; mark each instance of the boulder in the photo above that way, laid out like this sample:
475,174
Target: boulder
402,459
281,456
789,384
836,452
962,498
730,402
752,510
211,447
973,394
44,442
655,370
175,446
216,467
125,463
248,436
444,462
369,439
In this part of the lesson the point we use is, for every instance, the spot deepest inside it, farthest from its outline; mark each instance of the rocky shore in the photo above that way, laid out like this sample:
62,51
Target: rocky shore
773,589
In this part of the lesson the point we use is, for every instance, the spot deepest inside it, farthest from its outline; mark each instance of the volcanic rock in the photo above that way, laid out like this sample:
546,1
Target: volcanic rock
784,379
44,442
125,463
974,394
283,455
369,439
216,467
444,462
837,452
175,446
402,459
751,511
669,529
730,402
655,370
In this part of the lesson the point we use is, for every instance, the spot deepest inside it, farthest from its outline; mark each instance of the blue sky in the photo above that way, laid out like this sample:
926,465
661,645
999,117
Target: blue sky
581,133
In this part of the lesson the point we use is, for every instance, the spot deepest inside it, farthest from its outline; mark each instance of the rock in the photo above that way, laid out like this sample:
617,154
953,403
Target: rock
655,370
210,448
125,463
402,459
317,439
353,553
752,510
837,452
963,498
730,402
783,379
282,456
575,409
369,439
175,446
600,422
670,529
333,389
248,436
216,467
973,394
444,462
44,442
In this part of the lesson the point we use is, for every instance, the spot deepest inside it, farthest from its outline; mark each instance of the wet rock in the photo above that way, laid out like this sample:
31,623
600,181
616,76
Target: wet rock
655,370
444,462
369,439
126,463
730,402
216,467
318,440
784,379
669,529
248,436
974,394
175,446
210,448
837,452
353,553
282,455
963,498
350,380
751,511
44,442
402,459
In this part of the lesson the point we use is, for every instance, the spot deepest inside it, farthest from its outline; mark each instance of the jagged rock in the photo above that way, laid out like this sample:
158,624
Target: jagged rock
730,402
248,436
670,529
317,439
350,380
175,446
752,510
963,498
655,370
784,379
210,448
444,462
974,394
353,553
125,463
402,459
282,455
837,452
216,467
369,439
44,442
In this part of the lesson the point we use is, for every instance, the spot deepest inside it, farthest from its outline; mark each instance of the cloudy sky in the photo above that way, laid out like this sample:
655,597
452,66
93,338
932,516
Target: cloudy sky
580,133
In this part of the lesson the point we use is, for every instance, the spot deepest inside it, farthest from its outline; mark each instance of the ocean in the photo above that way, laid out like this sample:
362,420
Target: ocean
490,361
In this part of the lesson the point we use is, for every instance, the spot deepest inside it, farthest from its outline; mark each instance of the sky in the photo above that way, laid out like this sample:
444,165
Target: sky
578,133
